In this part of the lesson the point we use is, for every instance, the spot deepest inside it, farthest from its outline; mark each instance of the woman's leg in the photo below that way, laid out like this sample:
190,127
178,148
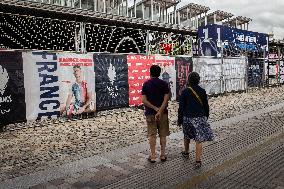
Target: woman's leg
198,151
186,145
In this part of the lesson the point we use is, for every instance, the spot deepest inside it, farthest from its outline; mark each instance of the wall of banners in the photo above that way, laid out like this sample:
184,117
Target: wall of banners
37,85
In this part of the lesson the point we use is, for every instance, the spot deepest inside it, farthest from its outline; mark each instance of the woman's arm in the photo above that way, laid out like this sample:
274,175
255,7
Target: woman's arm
182,104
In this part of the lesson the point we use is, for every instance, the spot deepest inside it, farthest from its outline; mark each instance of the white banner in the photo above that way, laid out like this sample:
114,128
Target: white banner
210,71
41,80
58,84
234,72
77,83
168,72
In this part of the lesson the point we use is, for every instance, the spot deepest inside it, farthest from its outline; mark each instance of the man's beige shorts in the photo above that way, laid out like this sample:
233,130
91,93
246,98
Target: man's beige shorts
161,127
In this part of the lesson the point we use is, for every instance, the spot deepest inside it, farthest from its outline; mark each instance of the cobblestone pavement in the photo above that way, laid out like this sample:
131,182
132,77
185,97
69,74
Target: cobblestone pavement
237,158
51,144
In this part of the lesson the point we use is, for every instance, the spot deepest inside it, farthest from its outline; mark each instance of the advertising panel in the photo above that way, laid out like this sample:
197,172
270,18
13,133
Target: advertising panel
234,72
184,66
12,92
139,72
112,90
235,41
255,72
210,73
60,84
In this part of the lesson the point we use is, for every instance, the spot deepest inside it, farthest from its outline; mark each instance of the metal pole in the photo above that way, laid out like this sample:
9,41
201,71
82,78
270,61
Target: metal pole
160,19
190,24
167,21
143,11
117,4
95,5
152,10
278,63
187,14
127,14
223,83
147,42
179,18
263,73
175,14
135,9
104,6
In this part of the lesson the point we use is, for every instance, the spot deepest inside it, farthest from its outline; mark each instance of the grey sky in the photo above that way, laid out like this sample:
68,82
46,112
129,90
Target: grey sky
267,15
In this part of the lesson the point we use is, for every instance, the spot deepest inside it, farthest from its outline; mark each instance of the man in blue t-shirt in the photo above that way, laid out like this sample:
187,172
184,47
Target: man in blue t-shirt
155,97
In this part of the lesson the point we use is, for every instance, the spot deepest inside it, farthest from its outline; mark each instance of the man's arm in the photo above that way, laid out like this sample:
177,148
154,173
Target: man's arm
148,104
162,108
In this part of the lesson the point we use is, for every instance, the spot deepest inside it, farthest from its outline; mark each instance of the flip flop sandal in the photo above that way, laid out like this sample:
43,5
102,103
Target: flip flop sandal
197,164
185,155
151,160
163,158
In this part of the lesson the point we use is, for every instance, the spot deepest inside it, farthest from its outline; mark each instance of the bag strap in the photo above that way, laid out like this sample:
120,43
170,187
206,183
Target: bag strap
196,95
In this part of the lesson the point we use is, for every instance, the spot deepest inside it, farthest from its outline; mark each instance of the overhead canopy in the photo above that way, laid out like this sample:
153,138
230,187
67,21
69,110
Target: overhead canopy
219,16
193,9
239,20
167,3
52,11
164,3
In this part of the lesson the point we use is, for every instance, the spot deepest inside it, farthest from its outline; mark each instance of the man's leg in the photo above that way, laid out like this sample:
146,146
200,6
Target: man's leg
152,134
163,132
152,142
163,142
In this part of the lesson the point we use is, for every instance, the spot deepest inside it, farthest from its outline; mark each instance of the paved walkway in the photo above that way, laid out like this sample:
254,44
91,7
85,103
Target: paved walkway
245,146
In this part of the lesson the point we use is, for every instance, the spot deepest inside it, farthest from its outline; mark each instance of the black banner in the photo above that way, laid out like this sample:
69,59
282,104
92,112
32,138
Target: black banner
184,66
12,91
112,90
255,72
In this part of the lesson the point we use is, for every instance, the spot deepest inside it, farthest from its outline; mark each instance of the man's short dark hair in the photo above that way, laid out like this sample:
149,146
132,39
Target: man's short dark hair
193,78
155,71
76,66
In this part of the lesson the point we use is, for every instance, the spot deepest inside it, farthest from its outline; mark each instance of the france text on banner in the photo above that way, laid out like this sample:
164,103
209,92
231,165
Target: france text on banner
41,76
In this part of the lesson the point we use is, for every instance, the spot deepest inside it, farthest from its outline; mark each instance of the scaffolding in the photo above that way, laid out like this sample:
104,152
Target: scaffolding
240,22
189,15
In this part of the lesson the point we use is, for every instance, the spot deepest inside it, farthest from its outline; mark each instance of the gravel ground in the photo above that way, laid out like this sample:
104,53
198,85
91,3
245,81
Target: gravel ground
52,143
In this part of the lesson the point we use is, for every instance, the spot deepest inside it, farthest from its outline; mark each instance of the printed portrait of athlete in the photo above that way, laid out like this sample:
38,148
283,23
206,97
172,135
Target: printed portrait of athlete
82,96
